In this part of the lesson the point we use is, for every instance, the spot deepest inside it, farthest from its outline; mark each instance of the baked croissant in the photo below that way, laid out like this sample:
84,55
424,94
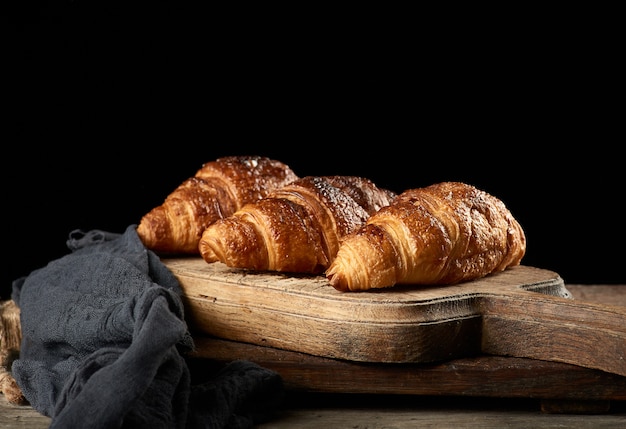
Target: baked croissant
218,189
296,228
445,233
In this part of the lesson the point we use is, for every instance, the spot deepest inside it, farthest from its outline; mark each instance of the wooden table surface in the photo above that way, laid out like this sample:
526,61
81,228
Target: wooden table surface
331,411
310,409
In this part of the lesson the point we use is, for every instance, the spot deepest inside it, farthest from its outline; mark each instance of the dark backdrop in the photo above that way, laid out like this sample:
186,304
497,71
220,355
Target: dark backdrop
117,106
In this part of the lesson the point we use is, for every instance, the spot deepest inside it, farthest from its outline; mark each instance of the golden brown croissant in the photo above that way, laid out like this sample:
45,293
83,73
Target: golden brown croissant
218,189
445,233
297,227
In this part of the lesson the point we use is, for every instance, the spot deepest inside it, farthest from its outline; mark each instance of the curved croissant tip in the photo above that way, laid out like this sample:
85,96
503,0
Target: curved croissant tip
145,233
206,252
337,281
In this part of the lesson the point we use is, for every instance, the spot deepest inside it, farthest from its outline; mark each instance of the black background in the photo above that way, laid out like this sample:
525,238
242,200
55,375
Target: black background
119,104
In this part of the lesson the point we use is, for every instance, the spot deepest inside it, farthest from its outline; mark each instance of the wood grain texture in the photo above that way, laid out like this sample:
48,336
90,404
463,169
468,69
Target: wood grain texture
522,312
475,376
433,415
375,411
21,416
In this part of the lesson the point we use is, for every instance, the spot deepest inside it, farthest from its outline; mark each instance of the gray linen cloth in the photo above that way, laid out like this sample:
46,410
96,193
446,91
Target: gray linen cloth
104,345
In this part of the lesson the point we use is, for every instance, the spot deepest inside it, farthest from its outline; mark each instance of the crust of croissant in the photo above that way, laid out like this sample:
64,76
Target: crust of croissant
340,204
177,224
362,190
273,234
217,190
247,178
445,233
296,228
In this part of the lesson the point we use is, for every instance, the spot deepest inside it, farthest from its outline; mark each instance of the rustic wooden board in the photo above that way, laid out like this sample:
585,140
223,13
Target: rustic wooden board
522,312
481,375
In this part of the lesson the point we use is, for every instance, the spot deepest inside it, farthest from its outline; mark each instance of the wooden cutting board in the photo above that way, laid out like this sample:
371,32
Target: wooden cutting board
523,312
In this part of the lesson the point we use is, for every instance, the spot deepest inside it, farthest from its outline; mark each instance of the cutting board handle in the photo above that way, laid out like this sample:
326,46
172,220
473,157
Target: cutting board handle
538,326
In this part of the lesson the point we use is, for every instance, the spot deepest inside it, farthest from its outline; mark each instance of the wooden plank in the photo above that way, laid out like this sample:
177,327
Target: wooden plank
441,414
374,411
522,312
21,416
599,294
484,376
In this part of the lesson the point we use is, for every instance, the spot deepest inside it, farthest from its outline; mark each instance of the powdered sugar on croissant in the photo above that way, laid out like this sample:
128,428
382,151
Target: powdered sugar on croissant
296,228
445,233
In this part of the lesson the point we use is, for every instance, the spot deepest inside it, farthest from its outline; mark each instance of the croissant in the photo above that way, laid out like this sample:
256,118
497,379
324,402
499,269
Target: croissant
445,233
296,228
218,189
